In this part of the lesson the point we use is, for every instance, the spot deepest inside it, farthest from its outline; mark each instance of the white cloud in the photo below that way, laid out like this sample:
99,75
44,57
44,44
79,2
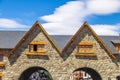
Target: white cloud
67,18
103,6
59,30
67,12
8,23
106,29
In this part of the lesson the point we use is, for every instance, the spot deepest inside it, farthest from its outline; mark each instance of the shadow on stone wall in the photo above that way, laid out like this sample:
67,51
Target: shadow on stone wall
38,57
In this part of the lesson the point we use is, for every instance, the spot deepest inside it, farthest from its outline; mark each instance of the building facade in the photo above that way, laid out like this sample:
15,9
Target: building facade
35,55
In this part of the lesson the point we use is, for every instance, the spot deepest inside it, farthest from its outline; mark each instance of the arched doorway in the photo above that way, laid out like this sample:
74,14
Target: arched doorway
85,74
118,78
35,73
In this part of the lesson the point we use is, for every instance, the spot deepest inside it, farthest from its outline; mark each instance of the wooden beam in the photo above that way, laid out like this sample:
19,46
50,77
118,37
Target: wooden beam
2,64
85,43
1,74
38,43
36,53
86,54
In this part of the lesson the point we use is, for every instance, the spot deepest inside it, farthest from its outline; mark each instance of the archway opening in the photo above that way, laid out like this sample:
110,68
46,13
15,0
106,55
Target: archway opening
118,78
85,74
35,73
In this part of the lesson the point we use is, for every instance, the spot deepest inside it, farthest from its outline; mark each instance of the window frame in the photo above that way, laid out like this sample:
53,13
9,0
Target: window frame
88,49
85,49
117,47
2,58
1,75
36,48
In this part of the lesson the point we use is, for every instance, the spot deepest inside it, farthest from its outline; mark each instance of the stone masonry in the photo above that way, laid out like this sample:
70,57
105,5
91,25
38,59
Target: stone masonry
60,65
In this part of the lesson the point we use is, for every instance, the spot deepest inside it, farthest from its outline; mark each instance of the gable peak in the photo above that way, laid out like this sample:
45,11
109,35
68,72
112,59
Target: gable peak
37,22
85,24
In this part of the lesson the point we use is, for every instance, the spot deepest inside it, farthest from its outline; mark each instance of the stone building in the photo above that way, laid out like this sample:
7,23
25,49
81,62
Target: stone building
35,55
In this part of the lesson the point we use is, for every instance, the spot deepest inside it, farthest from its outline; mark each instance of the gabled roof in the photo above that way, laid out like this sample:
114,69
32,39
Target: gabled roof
97,37
108,41
27,33
8,39
61,40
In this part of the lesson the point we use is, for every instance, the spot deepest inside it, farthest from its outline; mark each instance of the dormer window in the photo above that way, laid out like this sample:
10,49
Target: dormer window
117,47
116,44
36,48
85,49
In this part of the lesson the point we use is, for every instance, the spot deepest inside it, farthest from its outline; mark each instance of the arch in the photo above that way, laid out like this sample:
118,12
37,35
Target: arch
27,74
91,74
118,77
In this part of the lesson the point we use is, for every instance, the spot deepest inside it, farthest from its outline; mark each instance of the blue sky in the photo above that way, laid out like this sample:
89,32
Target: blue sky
61,16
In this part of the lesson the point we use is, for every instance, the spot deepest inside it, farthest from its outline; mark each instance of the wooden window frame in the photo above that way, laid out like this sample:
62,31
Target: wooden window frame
1,61
85,49
2,64
37,49
117,47
1,75
2,52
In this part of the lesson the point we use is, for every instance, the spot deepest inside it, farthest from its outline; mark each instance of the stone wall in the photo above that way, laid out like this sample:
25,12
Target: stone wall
60,66
103,63
3,52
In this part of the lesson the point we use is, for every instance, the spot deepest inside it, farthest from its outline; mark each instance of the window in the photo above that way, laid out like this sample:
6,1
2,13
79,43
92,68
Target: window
1,58
85,49
2,52
116,43
36,48
117,47
1,61
1,76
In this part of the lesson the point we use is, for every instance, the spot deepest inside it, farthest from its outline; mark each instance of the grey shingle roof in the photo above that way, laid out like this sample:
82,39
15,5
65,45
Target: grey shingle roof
8,39
61,40
108,41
